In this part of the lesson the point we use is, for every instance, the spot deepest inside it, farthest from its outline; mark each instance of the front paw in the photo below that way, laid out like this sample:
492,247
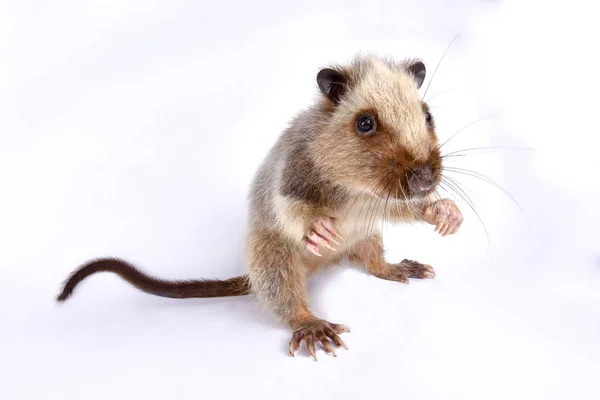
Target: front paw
445,215
321,232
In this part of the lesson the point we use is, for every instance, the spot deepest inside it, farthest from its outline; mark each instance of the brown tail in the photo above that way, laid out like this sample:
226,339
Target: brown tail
176,289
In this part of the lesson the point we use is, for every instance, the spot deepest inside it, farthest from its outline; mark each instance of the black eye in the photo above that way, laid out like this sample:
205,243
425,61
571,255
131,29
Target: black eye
428,117
365,124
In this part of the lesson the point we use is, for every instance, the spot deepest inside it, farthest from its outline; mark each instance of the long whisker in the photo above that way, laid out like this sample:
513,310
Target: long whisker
465,188
419,144
367,203
400,204
492,182
437,194
437,94
438,65
478,149
375,211
371,200
463,128
384,216
407,202
385,210
487,235
356,198
372,216
459,191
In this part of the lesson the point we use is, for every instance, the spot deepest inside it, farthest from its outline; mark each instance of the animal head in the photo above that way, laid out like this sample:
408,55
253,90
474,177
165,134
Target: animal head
377,134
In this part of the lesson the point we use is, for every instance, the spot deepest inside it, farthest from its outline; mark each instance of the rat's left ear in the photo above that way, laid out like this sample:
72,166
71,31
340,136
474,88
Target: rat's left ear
417,70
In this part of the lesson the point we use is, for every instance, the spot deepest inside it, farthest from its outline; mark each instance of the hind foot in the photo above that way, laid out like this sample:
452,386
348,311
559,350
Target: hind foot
407,269
318,330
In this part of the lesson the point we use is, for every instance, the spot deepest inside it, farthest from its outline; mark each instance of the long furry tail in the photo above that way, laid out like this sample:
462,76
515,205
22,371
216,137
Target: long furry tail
237,286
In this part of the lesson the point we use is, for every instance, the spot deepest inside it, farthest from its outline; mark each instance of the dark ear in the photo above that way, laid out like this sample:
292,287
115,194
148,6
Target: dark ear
418,72
332,84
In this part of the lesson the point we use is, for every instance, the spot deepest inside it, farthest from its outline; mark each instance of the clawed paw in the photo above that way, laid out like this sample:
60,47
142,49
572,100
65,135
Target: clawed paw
445,215
408,269
322,232
318,330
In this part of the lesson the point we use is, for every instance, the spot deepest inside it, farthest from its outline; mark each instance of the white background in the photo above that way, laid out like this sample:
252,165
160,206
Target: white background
132,128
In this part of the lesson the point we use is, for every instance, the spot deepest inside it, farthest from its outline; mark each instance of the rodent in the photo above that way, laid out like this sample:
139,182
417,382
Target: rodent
364,152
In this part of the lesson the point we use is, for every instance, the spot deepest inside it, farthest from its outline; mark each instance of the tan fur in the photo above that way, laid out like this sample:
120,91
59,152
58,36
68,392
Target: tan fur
292,217
321,146
390,92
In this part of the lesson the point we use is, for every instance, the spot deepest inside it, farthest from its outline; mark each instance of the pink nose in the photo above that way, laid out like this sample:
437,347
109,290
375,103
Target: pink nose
421,179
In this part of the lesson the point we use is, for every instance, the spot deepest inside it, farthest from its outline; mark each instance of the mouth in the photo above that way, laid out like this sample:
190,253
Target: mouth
403,189
419,190
407,193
